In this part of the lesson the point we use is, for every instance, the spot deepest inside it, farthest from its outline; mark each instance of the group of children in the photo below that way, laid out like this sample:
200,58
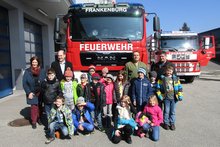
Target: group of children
136,106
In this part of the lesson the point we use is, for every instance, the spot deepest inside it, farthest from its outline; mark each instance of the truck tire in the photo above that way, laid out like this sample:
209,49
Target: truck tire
189,79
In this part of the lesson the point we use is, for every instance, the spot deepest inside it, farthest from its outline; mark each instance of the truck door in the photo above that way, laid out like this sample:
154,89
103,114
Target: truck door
207,51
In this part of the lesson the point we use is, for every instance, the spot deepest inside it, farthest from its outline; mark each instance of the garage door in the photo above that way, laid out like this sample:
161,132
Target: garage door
5,57
33,41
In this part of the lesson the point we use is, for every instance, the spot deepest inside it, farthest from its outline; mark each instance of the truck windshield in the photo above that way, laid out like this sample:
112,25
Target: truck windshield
179,43
103,28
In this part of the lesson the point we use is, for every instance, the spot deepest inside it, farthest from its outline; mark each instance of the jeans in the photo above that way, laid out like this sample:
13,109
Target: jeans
155,136
56,126
98,118
169,111
87,127
47,108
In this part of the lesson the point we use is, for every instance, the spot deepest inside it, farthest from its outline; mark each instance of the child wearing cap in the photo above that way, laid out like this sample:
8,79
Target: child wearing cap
51,89
68,87
153,77
90,72
141,90
104,74
83,88
60,118
98,98
82,118
112,96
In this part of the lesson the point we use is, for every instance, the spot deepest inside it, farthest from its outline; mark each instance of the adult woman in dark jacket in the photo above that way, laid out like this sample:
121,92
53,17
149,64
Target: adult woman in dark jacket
33,76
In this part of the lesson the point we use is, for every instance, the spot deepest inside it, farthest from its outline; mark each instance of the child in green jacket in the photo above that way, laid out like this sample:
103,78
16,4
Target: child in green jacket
60,118
68,87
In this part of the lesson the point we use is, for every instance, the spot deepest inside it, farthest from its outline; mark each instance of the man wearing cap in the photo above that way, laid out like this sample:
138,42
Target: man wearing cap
82,116
61,65
132,67
160,66
141,90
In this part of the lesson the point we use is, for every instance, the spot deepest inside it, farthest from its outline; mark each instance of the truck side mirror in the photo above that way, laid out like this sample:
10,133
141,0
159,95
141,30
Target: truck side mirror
157,36
57,29
156,23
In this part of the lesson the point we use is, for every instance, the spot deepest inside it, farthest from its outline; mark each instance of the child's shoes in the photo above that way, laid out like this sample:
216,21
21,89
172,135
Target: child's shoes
49,140
141,135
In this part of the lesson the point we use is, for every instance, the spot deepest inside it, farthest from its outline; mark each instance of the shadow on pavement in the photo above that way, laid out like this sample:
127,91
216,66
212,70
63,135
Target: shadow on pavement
22,121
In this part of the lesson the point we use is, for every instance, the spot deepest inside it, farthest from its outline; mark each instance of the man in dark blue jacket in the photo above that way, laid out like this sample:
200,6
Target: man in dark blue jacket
141,90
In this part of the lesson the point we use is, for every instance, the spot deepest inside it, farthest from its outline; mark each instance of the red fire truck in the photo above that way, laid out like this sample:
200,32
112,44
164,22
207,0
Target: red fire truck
186,50
104,34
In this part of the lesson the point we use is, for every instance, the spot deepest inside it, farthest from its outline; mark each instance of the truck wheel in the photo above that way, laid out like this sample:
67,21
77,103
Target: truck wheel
189,79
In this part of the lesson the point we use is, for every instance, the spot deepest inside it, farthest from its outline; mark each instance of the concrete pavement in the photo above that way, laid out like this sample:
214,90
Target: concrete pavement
211,72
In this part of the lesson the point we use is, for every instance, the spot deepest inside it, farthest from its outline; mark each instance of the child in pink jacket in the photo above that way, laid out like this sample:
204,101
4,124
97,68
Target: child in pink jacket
109,90
156,114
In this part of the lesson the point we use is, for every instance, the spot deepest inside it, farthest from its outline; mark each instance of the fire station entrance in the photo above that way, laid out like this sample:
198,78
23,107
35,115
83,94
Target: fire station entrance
32,41
5,56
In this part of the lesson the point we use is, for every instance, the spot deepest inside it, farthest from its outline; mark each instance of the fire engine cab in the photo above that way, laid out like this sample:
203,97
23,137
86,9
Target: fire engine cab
104,34
185,50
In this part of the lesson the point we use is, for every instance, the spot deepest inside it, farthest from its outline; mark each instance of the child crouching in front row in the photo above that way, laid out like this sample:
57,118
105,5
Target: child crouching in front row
82,118
151,117
60,118
124,123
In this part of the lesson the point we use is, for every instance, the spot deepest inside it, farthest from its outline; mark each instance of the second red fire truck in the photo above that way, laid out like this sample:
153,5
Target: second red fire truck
186,50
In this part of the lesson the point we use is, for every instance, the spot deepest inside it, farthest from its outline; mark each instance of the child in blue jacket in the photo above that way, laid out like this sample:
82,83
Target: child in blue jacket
141,90
82,116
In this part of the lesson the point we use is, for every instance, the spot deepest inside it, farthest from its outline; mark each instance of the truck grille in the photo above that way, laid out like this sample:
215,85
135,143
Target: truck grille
184,67
105,59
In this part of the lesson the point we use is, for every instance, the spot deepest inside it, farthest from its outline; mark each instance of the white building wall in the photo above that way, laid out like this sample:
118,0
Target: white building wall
17,11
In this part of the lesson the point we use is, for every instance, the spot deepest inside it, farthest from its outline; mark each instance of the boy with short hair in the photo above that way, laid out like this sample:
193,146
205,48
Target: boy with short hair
60,118
51,89
169,90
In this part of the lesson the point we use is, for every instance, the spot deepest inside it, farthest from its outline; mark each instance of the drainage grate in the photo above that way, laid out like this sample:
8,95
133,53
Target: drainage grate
19,122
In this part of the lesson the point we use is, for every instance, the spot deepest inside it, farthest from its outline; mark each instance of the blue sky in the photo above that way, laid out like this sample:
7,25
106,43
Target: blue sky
200,15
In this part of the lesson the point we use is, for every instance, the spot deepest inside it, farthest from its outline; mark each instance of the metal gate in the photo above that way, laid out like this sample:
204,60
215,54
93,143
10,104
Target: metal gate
32,41
5,56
